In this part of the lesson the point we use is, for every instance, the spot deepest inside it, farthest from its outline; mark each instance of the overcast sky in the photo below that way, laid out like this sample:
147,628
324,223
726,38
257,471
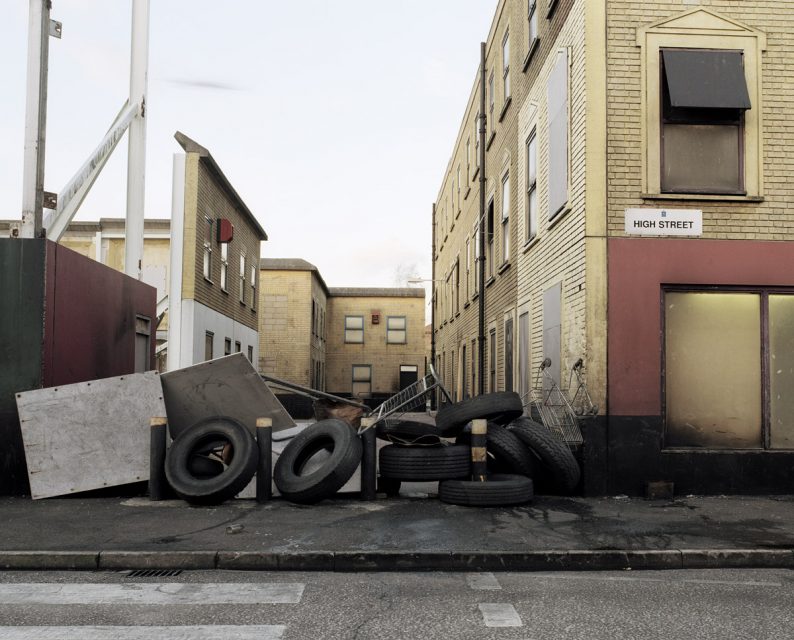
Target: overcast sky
334,120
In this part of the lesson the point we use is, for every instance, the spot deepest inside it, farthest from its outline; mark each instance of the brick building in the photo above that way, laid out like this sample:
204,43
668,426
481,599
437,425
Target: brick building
361,342
636,217
214,274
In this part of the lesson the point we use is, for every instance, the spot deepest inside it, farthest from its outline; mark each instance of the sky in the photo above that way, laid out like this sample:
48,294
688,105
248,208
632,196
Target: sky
333,120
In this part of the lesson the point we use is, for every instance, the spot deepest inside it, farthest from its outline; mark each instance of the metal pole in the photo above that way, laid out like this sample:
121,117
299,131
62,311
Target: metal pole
136,158
158,483
264,472
35,118
481,336
434,396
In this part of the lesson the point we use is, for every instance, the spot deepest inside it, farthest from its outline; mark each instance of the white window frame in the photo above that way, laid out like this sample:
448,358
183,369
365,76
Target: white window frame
506,89
242,278
224,266
207,268
532,185
506,217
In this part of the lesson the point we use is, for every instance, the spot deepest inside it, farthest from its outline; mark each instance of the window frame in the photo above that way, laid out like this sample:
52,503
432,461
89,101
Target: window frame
207,250
506,218
390,329
531,215
347,329
506,88
698,29
353,380
764,292
224,267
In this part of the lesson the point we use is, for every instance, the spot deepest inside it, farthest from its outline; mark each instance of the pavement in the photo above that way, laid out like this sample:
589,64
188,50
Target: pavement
412,532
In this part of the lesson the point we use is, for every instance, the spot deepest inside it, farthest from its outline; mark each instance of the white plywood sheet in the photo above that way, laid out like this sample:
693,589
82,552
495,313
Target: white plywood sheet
89,435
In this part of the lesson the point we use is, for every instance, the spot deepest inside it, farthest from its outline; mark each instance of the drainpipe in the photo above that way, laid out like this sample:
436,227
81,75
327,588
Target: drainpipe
433,299
481,337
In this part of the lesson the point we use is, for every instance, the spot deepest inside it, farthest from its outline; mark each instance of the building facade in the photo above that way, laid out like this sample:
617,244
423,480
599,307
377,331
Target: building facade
366,343
215,244
640,198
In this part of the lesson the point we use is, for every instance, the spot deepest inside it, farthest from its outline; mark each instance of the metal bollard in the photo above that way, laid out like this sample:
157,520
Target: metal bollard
369,455
158,483
264,471
479,452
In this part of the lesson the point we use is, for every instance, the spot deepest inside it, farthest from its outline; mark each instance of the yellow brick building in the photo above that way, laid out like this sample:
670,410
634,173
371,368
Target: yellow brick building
636,216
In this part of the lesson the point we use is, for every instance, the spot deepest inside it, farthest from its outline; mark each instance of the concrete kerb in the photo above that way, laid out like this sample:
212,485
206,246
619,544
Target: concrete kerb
561,560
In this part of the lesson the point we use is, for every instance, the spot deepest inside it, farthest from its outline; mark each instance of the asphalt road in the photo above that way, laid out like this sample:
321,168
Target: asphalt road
714,604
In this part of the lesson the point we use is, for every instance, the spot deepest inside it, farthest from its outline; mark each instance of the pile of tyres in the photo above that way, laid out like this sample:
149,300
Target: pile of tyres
519,451
216,459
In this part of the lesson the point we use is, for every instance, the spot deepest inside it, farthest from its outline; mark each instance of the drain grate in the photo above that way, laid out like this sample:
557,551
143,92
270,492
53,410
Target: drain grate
153,573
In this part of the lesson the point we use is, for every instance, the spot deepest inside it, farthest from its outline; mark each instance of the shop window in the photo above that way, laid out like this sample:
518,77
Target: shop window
704,98
729,369
396,330
354,329
362,380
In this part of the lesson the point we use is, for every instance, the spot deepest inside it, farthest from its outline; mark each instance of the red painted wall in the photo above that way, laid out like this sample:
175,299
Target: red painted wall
89,319
638,267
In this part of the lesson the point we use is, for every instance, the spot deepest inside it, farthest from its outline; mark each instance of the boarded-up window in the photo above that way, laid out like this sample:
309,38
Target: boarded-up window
395,330
362,380
557,96
354,329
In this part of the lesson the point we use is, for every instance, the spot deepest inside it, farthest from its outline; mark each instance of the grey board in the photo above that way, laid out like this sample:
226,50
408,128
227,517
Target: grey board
227,386
89,435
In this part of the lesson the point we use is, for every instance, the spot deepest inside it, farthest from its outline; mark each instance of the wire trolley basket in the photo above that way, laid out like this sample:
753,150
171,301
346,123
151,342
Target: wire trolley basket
555,408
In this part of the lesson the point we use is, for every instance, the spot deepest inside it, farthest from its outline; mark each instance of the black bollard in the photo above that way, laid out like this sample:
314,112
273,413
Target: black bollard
158,483
369,477
264,471
479,452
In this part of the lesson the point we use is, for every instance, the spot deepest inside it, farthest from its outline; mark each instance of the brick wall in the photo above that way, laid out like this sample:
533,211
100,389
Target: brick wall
770,219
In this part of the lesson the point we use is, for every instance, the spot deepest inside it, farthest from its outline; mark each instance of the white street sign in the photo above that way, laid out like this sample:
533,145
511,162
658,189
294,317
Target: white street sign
664,222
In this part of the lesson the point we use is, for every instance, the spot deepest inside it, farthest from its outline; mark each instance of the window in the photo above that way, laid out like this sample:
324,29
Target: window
492,361
477,140
395,330
533,22
224,264
489,231
508,347
748,338
557,95
468,268
208,339
253,286
242,279
506,66
354,329
523,356
250,354
314,317
458,192
701,99
208,249
468,160
491,120
456,284
362,380
474,367
237,346
464,390
532,187
506,218
704,97
227,346
477,236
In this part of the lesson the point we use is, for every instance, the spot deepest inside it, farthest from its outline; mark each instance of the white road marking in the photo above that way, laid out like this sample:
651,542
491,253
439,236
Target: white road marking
500,614
483,581
211,632
741,583
151,593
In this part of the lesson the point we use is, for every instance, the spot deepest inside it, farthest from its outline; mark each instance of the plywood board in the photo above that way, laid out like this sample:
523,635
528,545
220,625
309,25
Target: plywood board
227,386
89,435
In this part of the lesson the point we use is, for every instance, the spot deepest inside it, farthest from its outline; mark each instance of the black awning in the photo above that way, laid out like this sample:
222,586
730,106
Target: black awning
705,79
